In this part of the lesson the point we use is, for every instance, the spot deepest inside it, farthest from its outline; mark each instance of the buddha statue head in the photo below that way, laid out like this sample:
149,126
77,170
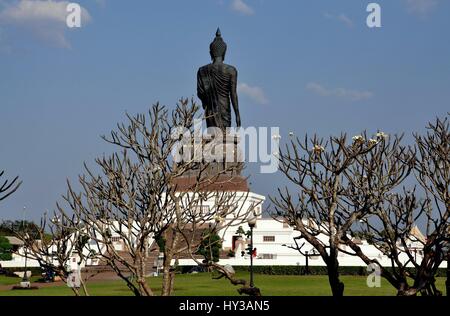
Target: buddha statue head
218,47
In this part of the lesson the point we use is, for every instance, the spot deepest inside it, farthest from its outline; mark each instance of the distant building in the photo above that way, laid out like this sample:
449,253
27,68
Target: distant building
273,239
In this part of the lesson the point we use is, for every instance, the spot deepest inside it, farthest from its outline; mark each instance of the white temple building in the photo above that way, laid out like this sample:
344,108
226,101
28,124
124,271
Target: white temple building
273,240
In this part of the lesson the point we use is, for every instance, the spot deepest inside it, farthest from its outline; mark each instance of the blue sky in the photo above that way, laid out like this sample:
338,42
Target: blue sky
305,66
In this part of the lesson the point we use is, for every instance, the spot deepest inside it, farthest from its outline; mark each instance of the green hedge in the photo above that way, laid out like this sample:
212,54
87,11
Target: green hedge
35,271
300,270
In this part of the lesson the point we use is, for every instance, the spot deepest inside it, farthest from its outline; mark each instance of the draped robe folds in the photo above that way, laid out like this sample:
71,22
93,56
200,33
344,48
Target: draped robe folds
214,84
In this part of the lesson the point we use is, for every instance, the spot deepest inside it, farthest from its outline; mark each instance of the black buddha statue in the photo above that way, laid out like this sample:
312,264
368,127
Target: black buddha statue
216,87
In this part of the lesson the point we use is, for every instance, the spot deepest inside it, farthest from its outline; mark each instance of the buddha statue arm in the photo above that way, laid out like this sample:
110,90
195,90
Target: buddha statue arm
234,97
200,89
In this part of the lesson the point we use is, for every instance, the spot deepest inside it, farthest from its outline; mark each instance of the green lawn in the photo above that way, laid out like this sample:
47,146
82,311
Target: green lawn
204,285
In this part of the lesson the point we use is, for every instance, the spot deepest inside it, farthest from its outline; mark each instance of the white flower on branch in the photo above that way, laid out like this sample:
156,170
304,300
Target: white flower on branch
358,139
372,142
318,149
381,135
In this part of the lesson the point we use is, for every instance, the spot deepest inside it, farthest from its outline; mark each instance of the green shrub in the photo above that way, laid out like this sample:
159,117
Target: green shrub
5,249
210,246
301,270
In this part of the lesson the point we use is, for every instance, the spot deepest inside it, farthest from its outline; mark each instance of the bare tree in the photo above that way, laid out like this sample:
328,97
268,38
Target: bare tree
338,185
390,229
54,244
136,196
432,171
8,187
108,208
131,197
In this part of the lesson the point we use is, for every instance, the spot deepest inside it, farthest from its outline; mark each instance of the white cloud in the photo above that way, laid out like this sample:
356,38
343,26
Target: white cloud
345,19
45,19
353,95
340,18
253,92
421,7
242,7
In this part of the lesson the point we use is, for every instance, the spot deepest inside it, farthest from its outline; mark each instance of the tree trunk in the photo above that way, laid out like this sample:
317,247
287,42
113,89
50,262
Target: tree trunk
168,273
144,289
337,287
83,286
447,283
432,290
167,276
172,281
425,282
403,288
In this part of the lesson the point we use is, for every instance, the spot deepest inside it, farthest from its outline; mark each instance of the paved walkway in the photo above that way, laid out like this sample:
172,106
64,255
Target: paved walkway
38,284
102,276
